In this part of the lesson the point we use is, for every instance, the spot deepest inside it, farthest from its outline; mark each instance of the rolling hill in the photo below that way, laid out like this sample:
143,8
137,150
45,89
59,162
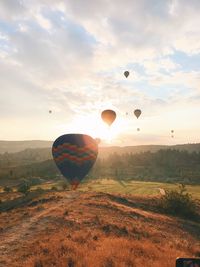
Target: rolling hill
104,151
65,229
16,146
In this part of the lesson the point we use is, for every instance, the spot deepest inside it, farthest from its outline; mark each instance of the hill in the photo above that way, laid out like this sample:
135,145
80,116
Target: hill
16,146
36,147
66,229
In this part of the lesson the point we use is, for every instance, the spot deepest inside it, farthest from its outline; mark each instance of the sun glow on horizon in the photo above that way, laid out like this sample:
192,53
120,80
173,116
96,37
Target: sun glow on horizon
96,128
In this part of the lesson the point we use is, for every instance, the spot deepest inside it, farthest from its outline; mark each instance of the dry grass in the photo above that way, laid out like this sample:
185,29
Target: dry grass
76,229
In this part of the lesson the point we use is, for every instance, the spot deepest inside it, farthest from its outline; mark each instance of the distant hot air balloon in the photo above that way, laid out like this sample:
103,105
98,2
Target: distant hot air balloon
172,136
108,116
137,113
50,111
138,129
126,74
126,113
74,155
172,131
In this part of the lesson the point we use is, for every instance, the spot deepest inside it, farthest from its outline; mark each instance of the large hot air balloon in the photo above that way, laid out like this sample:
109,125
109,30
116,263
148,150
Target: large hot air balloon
137,113
126,74
74,155
108,116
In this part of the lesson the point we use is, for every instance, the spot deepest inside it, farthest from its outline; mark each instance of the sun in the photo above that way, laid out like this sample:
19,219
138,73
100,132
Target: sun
95,127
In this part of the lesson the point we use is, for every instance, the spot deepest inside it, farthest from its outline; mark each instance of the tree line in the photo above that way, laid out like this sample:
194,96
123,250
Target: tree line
166,165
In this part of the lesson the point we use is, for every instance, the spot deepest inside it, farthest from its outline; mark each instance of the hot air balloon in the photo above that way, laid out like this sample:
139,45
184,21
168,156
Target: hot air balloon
74,155
137,113
126,74
126,113
138,129
172,131
108,116
172,136
50,111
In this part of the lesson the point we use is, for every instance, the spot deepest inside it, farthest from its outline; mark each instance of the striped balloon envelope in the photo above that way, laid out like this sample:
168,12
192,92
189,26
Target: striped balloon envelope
74,155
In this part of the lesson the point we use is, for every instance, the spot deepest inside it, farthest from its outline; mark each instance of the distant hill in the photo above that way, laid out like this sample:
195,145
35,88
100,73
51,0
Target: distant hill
17,146
34,145
106,151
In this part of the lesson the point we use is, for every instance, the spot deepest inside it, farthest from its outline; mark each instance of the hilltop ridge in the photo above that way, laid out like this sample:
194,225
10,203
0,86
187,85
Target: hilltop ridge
18,146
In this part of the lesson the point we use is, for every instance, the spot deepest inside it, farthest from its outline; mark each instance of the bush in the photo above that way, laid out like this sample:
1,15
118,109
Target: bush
24,187
40,190
54,188
7,189
178,202
35,181
64,185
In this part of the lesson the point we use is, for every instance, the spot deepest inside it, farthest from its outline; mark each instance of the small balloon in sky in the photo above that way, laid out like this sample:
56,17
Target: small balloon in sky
50,111
126,113
137,113
74,155
138,129
126,74
172,136
172,131
108,116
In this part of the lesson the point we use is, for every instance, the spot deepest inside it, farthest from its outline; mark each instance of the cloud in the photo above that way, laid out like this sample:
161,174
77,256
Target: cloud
70,57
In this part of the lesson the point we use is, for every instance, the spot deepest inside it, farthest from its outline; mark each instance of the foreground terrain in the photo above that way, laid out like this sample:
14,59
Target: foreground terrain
93,229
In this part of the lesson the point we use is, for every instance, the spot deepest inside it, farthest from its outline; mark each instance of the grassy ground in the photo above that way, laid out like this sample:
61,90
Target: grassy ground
88,229
135,187
113,186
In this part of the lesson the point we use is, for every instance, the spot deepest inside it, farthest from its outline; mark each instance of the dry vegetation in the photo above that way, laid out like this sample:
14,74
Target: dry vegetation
81,229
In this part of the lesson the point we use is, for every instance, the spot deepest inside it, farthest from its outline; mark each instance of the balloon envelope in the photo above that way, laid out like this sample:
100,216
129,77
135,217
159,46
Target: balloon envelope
126,73
138,129
137,113
50,111
108,116
74,155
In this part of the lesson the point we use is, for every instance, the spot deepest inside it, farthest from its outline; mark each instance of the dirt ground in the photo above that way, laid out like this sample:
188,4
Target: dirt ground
79,229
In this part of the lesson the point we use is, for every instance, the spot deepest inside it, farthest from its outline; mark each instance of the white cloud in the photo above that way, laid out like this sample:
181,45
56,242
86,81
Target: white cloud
70,57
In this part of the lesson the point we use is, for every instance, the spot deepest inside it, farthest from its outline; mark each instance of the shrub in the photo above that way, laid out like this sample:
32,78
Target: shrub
54,188
178,202
24,187
64,185
7,189
40,190
35,181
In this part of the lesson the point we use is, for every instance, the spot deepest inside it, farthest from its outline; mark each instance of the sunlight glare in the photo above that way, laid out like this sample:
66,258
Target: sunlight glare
95,127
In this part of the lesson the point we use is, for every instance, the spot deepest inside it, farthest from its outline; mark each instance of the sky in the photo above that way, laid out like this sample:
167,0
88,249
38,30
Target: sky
69,57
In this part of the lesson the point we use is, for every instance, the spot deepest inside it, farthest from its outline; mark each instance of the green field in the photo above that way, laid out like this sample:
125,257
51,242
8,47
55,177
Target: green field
135,187
122,187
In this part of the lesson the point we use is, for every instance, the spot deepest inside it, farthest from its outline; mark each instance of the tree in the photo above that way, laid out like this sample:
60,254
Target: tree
24,187
7,189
